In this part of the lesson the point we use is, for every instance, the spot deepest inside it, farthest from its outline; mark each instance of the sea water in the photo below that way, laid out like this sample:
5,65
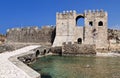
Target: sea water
77,67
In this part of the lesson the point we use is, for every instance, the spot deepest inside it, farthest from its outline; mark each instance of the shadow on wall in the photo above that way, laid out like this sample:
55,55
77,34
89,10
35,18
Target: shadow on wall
53,35
37,53
45,76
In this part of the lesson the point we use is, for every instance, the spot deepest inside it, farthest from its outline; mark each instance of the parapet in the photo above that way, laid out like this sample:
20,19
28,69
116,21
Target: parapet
97,12
65,14
94,11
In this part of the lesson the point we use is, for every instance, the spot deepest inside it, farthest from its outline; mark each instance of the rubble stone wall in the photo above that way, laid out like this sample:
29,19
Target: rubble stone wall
31,34
78,49
114,35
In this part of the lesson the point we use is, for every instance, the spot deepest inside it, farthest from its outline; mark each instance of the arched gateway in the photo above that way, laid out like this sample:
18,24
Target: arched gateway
68,31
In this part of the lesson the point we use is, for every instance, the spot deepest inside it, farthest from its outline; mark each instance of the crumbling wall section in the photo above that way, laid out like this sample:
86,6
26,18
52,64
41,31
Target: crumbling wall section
114,35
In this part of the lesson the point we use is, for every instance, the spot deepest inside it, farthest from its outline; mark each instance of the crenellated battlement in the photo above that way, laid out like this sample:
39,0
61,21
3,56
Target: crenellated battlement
86,12
97,12
66,14
72,13
29,28
94,11
31,34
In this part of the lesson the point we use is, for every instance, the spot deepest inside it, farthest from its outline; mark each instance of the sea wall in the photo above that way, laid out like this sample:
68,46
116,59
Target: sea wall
24,67
78,49
11,67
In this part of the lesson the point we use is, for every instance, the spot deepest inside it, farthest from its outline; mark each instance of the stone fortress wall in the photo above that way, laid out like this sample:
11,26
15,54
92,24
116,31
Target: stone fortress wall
76,49
94,31
114,39
31,35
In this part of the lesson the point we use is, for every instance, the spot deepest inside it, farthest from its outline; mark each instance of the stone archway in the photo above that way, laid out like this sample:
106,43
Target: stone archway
80,20
37,53
79,40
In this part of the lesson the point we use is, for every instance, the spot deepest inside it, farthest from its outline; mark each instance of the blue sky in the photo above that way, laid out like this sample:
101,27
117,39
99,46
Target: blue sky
21,13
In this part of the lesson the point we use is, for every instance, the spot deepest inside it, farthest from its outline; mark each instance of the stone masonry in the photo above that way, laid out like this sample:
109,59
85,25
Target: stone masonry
76,49
31,35
94,31
12,69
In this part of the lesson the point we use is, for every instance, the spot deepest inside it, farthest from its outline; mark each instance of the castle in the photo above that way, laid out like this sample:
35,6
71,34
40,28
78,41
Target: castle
94,31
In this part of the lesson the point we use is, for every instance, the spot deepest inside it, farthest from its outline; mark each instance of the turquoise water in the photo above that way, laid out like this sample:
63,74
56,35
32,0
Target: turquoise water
77,67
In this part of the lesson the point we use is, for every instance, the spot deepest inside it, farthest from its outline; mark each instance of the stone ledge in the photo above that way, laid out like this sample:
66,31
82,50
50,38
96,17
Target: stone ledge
32,73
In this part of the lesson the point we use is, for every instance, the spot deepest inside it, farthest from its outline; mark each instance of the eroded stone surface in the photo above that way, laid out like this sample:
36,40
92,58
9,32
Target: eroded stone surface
78,49
31,35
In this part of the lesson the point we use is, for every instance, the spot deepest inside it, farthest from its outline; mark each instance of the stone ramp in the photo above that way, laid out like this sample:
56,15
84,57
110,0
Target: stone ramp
8,69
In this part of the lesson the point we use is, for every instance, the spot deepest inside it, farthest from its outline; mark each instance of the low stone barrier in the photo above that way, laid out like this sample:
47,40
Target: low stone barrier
24,67
78,49
11,67
56,50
